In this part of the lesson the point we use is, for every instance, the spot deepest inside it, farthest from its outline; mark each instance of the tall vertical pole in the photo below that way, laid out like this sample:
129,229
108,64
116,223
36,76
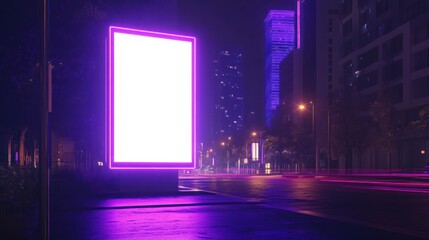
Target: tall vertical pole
316,155
227,159
329,141
200,162
44,128
262,149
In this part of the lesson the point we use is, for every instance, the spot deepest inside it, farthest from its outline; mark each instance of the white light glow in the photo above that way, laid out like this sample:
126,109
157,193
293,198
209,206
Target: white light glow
153,118
255,151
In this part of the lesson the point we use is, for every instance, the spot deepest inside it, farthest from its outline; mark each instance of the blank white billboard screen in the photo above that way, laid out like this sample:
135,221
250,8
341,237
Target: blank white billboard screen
151,103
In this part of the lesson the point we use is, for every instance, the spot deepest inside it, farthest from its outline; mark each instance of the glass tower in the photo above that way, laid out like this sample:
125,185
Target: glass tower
279,41
228,75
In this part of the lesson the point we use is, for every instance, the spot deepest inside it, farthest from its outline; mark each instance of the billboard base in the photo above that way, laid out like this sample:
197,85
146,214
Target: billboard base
148,182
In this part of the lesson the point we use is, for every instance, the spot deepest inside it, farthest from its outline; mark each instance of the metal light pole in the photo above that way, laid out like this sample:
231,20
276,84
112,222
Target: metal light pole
226,145
44,127
200,162
227,160
329,141
316,155
228,154
260,142
262,148
302,107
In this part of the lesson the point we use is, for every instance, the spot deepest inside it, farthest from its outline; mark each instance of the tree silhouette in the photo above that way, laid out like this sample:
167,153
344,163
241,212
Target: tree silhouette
386,128
349,127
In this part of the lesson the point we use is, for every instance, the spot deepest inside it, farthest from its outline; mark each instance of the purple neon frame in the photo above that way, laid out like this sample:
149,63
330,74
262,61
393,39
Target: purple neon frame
110,110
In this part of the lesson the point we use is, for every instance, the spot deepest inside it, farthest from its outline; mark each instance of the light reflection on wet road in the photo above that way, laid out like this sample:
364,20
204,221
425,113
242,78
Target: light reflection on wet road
403,210
247,208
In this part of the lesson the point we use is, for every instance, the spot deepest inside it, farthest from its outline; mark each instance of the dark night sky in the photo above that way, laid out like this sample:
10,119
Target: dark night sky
215,23
220,23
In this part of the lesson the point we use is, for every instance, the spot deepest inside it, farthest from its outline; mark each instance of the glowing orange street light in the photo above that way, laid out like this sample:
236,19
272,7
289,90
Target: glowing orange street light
303,107
223,144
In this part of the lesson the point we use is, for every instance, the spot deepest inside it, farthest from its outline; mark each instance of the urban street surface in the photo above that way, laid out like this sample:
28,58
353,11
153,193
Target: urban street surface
398,203
252,207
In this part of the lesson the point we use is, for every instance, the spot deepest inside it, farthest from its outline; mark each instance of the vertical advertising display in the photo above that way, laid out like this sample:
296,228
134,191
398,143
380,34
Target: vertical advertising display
151,100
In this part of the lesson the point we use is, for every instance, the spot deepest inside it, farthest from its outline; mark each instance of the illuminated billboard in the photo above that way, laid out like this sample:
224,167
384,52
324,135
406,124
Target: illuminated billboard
151,107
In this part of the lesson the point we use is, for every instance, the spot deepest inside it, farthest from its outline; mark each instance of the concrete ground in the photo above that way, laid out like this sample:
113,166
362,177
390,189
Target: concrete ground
191,214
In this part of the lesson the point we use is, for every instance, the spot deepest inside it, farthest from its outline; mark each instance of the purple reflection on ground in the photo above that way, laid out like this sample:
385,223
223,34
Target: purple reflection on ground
168,201
169,217
140,61
156,223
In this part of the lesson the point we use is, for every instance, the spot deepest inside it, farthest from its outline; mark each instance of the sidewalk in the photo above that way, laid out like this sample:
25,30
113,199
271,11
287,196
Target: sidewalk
192,215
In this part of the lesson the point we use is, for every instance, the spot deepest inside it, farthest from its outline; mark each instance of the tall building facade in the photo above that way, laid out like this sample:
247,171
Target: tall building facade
229,110
279,41
385,55
309,76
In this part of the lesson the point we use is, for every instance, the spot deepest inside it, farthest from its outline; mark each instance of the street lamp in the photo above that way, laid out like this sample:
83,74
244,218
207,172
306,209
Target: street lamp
423,153
258,150
209,158
223,144
254,147
303,107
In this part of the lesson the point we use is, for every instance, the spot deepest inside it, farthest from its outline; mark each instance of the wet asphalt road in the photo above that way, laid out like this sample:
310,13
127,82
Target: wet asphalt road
246,207
396,205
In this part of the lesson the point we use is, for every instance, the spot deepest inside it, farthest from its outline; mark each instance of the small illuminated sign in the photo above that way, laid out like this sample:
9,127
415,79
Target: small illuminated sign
255,151
151,107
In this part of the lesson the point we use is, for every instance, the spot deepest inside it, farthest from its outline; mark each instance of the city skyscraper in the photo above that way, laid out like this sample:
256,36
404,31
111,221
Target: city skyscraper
279,41
228,75
384,60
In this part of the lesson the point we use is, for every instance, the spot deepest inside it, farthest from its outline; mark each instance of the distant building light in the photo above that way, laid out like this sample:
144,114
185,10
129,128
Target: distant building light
267,168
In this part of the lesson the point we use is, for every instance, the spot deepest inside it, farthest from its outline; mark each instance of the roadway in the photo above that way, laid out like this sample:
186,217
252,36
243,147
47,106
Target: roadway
398,204
247,207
